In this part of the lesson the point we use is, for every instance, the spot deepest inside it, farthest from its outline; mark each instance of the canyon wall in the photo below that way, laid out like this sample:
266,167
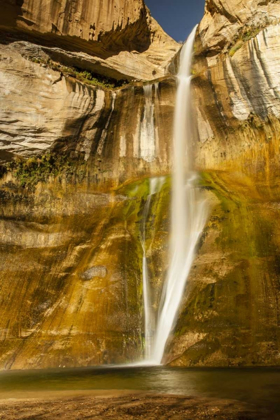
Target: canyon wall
79,140
71,272
231,312
115,38
125,131
71,214
237,71
86,118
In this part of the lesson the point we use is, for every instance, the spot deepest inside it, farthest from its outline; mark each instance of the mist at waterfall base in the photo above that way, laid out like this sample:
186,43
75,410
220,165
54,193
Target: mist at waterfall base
189,211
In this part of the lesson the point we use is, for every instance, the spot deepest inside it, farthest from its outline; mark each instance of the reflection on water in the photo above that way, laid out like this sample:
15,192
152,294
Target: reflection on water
257,386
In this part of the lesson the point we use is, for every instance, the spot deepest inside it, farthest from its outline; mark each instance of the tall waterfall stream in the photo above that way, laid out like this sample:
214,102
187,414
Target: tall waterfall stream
189,211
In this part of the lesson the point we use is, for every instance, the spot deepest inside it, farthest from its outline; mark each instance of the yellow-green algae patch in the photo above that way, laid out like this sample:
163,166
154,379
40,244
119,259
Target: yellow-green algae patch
53,235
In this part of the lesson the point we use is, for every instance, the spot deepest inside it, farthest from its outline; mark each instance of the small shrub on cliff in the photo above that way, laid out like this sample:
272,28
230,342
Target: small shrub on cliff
85,76
96,79
250,33
235,48
244,36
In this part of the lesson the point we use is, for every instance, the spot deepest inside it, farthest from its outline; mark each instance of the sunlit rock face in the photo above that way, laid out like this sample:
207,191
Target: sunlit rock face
127,131
70,226
230,316
82,19
236,86
115,38
225,20
70,236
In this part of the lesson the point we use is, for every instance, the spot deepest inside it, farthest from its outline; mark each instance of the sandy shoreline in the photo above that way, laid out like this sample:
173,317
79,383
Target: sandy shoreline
121,405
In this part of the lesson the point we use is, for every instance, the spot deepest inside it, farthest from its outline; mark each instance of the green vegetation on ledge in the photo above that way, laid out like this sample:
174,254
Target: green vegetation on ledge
85,76
244,36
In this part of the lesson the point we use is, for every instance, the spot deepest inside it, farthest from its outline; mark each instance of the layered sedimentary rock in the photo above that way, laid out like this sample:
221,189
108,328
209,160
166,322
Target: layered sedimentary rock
237,87
72,203
230,316
112,37
224,22
43,110
73,198
71,271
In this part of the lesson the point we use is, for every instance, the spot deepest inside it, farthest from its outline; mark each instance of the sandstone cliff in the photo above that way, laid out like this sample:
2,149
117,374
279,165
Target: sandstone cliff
116,38
44,110
81,144
231,312
47,49
85,143
71,272
237,87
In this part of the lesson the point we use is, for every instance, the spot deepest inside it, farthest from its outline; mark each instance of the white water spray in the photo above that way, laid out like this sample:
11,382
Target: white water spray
189,210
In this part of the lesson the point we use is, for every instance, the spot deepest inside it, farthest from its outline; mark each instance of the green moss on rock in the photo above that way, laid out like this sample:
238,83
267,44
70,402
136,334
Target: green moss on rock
28,172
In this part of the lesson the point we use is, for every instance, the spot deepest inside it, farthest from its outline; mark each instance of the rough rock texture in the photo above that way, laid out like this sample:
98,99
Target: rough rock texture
231,312
84,20
130,407
71,278
127,130
225,20
71,271
237,89
70,229
122,33
230,316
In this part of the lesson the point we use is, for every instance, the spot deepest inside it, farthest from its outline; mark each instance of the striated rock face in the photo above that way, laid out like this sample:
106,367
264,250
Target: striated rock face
71,271
81,19
121,35
224,21
70,229
230,316
72,202
42,110
237,87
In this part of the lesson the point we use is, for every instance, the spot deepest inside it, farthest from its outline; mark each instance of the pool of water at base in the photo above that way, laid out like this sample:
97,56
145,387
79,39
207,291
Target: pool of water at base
260,387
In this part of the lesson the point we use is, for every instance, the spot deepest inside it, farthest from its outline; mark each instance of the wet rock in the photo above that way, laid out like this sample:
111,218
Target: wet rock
130,407
94,272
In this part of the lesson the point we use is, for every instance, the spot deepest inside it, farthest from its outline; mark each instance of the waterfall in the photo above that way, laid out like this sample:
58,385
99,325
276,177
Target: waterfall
189,210
146,285
155,185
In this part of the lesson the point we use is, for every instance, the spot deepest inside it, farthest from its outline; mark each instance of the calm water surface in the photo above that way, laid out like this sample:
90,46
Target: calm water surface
258,386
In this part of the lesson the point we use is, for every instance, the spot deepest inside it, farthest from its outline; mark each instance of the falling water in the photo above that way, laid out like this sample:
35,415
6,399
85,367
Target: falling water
155,185
189,208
